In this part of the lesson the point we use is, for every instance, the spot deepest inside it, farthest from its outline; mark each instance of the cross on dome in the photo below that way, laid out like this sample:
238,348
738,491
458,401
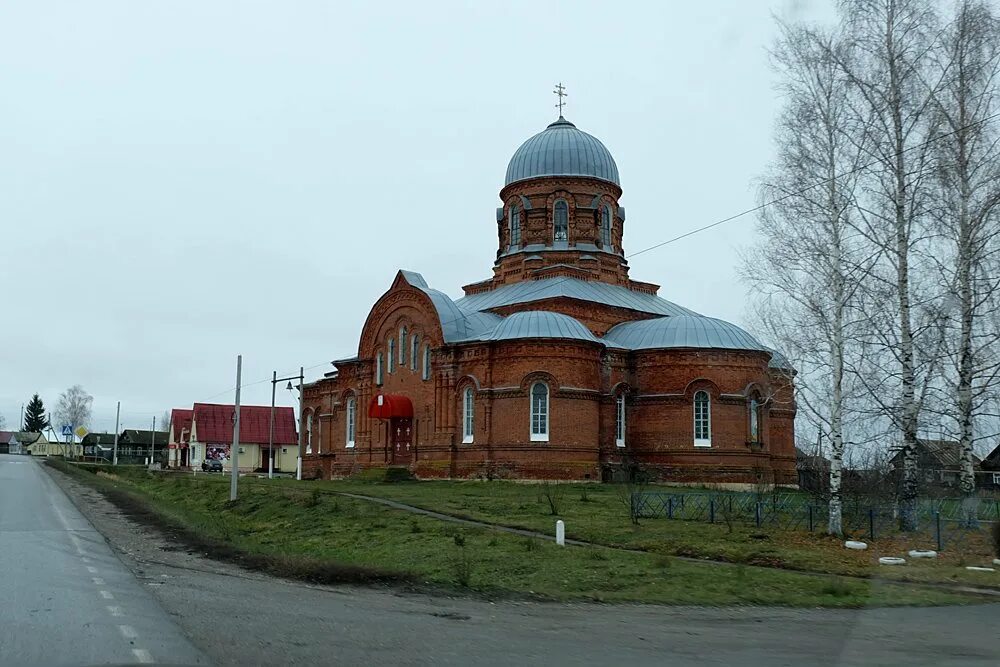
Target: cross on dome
560,91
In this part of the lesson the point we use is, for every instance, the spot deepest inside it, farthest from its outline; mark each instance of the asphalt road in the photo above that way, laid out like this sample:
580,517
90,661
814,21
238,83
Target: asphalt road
65,597
239,617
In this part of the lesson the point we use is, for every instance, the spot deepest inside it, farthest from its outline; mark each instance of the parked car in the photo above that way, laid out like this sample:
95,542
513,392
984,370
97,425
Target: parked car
212,465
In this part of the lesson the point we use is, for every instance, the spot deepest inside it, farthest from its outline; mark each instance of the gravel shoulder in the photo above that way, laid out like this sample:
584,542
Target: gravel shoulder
241,617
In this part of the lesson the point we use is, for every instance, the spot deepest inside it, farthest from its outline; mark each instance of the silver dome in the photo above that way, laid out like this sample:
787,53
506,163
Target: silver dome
562,150
682,331
540,324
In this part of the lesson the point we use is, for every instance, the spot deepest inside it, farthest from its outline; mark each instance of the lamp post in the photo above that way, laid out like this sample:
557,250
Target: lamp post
270,434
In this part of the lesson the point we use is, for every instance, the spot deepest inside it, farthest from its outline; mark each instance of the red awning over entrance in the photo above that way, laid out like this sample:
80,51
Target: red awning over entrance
387,406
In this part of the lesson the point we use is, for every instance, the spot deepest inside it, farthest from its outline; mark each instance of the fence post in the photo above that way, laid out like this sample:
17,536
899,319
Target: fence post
757,512
711,510
810,518
670,507
871,522
937,528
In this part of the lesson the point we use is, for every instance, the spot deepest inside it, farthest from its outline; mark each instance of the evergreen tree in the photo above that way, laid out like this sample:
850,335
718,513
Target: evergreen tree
35,420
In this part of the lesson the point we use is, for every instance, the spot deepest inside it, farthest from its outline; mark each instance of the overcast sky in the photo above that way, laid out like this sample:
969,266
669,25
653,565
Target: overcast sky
181,182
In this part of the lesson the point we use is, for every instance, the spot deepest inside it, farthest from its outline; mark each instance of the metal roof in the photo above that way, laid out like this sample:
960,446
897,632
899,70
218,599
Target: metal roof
540,324
456,324
780,361
562,150
572,288
687,331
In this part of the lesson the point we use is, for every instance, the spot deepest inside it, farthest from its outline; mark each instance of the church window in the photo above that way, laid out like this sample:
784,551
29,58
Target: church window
702,419
309,433
378,369
540,412
754,420
426,373
469,415
403,343
620,420
515,226
414,349
391,355
561,221
351,412
606,226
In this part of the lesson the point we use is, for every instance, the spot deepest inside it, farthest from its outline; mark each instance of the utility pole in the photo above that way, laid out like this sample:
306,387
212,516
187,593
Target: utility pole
22,418
235,472
152,441
114,454
270,429
298,466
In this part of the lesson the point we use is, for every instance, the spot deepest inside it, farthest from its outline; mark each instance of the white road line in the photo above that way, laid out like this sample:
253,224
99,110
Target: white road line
97,581
143,656
85,559
115,611
107,595
91,569
128,632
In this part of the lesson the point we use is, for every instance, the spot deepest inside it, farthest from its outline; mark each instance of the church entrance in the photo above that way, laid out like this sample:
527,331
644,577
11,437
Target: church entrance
401,440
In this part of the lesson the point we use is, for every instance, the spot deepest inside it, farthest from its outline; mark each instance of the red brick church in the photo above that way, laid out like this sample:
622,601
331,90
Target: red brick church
559,365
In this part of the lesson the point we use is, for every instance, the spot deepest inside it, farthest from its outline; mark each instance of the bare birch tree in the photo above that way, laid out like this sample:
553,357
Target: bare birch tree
810,260
886,65
966,68
73,408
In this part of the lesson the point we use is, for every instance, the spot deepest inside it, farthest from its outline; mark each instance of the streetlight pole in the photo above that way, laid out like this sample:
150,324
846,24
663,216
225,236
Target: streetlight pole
118,412
235,472
152,442
301,377
270,429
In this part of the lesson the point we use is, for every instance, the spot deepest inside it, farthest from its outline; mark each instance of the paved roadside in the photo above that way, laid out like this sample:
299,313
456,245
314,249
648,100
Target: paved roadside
244,618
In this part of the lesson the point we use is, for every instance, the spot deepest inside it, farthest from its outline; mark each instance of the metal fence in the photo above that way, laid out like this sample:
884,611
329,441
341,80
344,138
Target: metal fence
944,519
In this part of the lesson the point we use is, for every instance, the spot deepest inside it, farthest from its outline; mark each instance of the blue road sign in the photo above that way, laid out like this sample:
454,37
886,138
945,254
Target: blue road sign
67,429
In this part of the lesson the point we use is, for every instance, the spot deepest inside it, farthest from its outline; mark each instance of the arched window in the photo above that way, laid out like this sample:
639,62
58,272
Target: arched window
468,415
392,354
426,372
309,433
561,221
606,226
414,348
620,420
378,369
515,226
754,420
403,345
540,412
702,419
351,410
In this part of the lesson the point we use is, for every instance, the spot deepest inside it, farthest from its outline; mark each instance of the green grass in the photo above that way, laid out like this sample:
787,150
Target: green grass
296,528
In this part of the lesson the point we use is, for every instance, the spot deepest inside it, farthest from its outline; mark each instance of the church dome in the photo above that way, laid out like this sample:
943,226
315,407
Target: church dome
682,331
540,324
562,150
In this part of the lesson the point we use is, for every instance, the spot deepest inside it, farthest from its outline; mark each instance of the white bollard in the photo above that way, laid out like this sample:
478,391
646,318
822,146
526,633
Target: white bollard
560,533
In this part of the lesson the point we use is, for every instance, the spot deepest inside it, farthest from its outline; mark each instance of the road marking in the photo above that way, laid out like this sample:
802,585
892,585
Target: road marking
107,595
143,656
91,569
97,581
114,611
128,632
85,559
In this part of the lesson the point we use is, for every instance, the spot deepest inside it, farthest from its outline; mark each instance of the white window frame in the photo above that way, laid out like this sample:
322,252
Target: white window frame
754,420
379,371
414,350
620,421
391,355
350,412
309,432
543,435
425,372
468,416
996,478
702,442
555,220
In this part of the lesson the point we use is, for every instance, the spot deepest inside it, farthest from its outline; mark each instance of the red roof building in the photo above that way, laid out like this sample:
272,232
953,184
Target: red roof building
213,423
205,433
